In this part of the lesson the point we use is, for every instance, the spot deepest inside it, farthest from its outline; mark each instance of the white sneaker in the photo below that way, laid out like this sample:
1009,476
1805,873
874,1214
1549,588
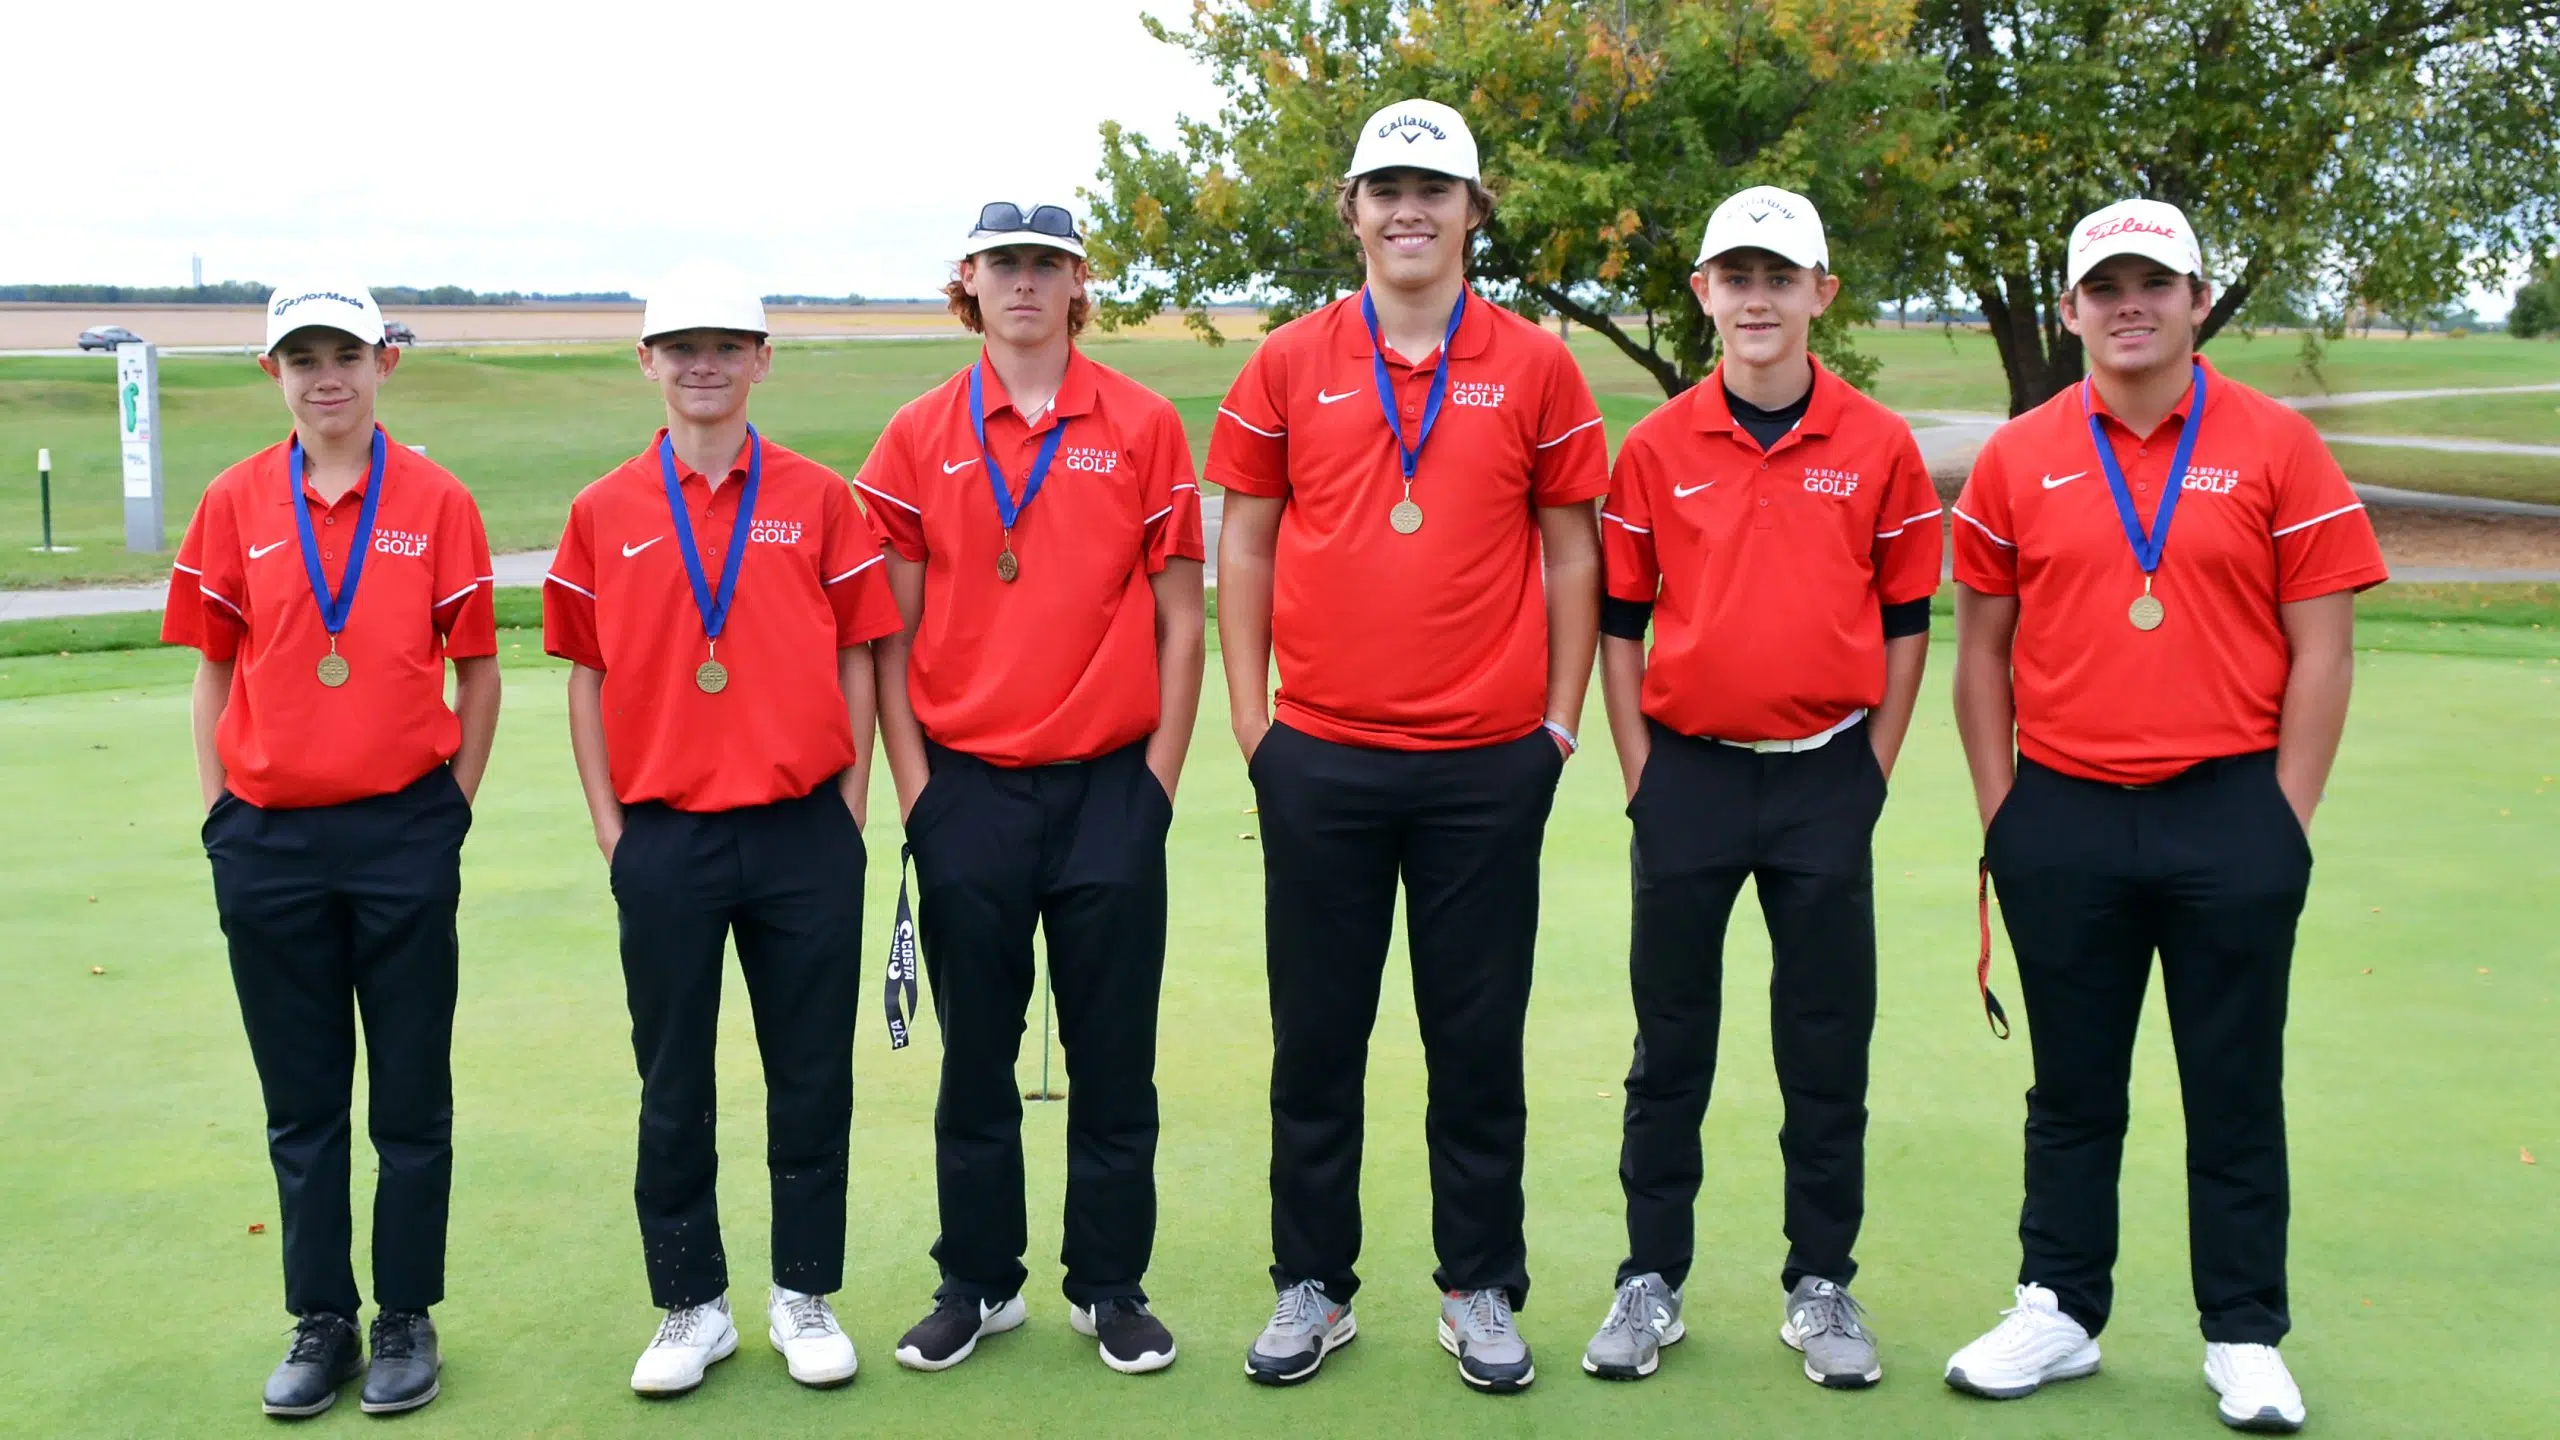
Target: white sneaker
690,1341
2257,1392
813,1345
2033,1343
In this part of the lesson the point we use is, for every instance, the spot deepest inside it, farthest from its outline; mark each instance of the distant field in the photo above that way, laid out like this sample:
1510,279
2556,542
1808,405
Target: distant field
526,426
2522,419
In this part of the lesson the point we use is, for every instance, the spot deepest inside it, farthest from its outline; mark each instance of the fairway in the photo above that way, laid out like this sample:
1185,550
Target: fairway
2422,1066
526,427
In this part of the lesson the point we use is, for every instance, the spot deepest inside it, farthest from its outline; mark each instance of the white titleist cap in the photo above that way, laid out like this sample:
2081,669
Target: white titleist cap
335,304
1765,217
1416,135
704,297
2153,229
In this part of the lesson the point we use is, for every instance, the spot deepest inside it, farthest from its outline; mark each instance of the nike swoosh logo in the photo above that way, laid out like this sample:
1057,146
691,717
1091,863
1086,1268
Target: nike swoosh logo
630,550
1680,493
1325,398
2051,483
257,550
954,467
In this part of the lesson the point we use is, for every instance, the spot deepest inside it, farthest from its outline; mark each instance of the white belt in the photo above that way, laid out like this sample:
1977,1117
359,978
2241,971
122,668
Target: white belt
1785,747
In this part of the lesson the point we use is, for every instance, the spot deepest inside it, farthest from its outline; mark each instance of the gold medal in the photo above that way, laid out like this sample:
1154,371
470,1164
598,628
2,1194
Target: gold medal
1007,568
2146,612
333,669
1405,518
711,677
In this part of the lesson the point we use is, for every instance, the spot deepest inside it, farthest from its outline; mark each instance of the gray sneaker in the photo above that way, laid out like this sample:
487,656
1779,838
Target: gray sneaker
1644,1318
1475,1326
1306,1326
1824,1323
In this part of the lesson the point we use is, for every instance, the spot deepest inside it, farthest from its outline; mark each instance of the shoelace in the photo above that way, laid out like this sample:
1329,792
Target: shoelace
2257,1365
1832,1310
1299,1307
2020,1322
395,1336
678,1327
1488,1313
809,1315
312,1339
1634,1311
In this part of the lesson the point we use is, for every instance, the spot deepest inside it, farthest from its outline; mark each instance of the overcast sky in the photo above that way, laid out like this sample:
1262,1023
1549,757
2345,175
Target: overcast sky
537,146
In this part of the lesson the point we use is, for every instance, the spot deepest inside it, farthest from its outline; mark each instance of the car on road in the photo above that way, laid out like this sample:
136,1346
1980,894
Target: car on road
396,332
107,337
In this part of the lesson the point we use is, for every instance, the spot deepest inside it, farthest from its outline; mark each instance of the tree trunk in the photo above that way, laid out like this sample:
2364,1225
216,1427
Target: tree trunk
1664,372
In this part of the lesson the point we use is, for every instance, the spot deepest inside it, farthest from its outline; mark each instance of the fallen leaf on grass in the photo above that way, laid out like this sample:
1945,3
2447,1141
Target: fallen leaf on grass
97,969
93,899
257,1227
1247,835
2368,970
2484,969
2377,909
2525,1155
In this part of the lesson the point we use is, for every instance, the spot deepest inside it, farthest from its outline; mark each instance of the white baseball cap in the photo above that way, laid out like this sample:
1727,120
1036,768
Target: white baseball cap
2153,229
1001,223
703,297
1416,135
333,304
1765,217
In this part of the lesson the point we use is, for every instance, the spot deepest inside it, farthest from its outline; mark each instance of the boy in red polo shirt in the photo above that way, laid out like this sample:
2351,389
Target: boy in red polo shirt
1044,524
2150,716
716,595
1777,531
327,580
1399,467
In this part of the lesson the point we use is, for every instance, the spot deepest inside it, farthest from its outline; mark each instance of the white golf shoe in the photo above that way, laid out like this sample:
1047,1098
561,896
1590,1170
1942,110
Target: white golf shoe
2257,1390
2033,1343
804,1329
691,1340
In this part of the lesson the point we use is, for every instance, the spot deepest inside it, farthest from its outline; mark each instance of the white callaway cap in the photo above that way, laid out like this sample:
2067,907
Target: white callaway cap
2153,229
334,304
1416,135
703,297
1765,217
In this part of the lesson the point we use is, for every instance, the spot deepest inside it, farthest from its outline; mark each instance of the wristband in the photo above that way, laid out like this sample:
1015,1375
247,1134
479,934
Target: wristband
1571,745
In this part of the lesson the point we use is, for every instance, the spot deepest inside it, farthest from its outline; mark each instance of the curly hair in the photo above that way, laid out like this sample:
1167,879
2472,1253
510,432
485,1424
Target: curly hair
965,305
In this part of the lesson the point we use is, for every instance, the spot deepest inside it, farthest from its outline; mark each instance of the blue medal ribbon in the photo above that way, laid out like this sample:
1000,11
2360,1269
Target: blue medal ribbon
1410,456
1009,509
2147,548
334,608
714,608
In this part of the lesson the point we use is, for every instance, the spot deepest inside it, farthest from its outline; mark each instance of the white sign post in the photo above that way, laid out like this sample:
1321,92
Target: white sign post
138,426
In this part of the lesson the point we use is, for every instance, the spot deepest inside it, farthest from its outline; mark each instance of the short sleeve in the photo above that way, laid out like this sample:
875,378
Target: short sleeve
205,612
569,593
1909,528
1626,526
854,573
1171,494
466,594
1249,448
2324,538
887,477
1986,537
1570,463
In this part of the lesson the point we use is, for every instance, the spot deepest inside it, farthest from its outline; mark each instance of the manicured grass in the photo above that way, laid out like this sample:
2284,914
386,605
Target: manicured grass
2522,419
2531,478
2419,1059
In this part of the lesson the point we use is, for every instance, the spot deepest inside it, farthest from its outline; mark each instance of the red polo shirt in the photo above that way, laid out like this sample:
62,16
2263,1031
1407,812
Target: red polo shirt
1766,569
239,592
2265,518
1061,663
1437,639
618,600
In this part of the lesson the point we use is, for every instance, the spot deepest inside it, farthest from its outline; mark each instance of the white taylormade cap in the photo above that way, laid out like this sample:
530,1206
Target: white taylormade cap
2153,229
335,304
1416,135
704,297
1765,217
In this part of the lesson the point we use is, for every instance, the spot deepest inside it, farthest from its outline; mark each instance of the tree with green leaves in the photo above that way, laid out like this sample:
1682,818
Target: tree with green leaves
1610,131
2389,152
2537,306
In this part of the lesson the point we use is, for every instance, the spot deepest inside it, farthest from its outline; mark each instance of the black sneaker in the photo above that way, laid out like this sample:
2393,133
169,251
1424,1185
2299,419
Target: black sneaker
323,1356
406,1363
945,1337
1133,1340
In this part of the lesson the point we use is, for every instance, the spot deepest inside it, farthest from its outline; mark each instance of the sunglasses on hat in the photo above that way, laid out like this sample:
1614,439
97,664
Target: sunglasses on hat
1005,217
